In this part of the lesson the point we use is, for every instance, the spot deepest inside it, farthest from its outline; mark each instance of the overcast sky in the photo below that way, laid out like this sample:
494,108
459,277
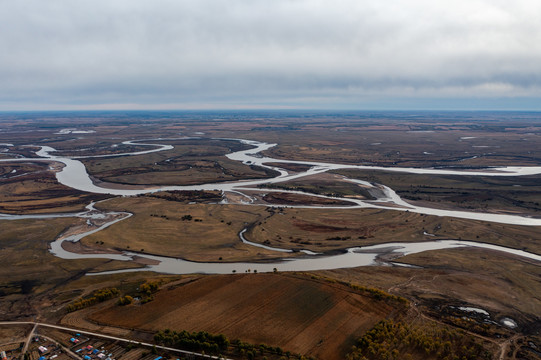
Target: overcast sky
229,54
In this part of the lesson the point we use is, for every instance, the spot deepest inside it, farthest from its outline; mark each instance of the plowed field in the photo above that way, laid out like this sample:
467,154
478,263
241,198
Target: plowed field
298,314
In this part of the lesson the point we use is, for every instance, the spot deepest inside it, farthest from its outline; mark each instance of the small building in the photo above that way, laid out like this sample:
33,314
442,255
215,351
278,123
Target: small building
42,349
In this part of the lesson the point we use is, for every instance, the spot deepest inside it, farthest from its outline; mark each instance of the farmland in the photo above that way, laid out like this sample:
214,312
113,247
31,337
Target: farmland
302,315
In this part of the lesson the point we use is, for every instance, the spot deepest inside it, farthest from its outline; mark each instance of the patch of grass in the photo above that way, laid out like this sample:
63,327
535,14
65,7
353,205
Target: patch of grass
158,227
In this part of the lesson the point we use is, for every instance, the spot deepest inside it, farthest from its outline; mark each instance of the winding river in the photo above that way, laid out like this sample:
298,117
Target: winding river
74,175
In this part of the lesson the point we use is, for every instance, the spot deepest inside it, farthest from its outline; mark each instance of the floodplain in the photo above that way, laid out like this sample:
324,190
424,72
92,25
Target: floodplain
193,202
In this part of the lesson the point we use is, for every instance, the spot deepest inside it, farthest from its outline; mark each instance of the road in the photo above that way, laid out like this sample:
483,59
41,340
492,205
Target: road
37,324
29,338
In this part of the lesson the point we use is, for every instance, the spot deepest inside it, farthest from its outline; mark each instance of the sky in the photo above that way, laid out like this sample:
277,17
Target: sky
270,54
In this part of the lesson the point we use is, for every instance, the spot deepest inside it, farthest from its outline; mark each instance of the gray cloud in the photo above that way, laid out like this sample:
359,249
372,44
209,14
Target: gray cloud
240,52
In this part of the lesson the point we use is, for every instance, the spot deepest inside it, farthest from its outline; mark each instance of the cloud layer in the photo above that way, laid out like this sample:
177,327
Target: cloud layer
260,53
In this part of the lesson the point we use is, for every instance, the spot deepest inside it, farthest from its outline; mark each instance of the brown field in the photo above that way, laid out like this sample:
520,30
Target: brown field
190,162
298,314
29,272
503,285
405,147
324,184
331,229
496,281
520,195
278,198
12,335
479,278
37,191
158,228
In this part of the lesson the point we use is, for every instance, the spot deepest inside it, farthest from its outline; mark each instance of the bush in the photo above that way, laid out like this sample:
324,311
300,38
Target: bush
125,300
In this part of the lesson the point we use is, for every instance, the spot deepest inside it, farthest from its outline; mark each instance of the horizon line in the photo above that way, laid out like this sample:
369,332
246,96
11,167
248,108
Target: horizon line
269,109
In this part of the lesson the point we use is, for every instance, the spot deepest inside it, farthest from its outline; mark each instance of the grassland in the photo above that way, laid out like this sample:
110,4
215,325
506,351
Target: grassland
497,282
481,193
488,280
34,189
12,336
30,271
282,198
190,162
467,145
323,184
162,227
328,229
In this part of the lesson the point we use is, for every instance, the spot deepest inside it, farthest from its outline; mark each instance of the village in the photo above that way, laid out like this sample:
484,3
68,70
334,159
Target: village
52,344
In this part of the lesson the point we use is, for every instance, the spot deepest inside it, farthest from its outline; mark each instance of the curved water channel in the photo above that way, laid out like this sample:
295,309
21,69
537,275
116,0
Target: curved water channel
74,175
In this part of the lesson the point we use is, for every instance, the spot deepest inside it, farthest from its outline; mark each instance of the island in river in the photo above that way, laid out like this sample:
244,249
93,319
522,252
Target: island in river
424,218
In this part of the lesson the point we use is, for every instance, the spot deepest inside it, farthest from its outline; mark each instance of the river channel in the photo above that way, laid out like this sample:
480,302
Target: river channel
74,175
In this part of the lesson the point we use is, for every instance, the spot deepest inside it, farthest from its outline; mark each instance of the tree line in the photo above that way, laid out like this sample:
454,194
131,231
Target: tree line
397,340
98,296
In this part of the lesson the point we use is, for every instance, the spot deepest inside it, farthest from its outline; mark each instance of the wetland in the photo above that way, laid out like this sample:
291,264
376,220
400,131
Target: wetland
380,202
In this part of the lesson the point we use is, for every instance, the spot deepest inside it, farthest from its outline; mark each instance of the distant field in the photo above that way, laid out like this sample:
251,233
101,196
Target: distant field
190,162
519,194
297,314
409,144
323,184
279,198
32,188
